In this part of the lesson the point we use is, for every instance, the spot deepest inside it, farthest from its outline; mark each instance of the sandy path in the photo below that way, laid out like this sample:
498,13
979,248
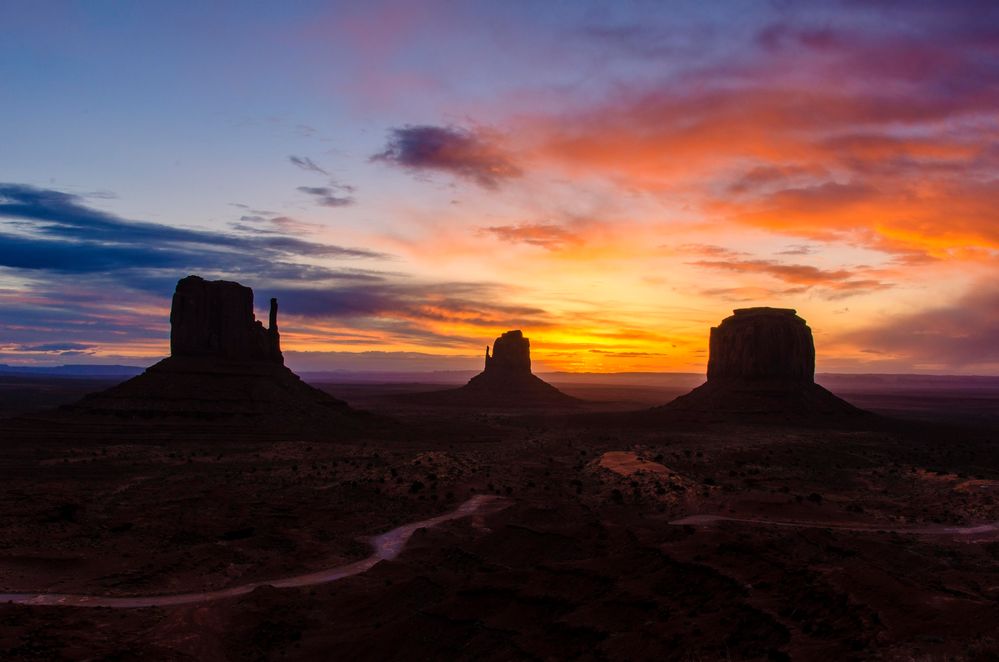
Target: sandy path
939,530
385,546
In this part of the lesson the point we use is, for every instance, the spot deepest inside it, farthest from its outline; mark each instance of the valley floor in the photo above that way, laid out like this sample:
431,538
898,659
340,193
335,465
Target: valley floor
585,561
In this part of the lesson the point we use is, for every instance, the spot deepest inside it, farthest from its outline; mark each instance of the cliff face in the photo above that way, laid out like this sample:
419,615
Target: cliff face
215,319
762,343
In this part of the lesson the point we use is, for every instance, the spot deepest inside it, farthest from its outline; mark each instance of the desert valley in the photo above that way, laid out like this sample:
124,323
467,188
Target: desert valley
218,507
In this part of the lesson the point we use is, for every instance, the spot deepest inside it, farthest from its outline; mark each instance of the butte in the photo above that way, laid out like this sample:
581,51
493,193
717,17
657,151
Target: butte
506,381
225,376
761,367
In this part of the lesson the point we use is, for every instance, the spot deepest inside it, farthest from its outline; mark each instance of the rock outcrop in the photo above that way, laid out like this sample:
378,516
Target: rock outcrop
225,375
511,355
762,343
505,381
215,318
761,366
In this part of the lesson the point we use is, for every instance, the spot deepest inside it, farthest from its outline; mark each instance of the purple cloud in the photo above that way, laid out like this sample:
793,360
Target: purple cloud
472,155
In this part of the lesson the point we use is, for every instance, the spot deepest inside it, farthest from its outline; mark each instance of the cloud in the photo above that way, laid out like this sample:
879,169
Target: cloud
59,347
629,355
375,362
839,282
473,304
835,127
83,257
797,249
56,231
706,250
801,274
765,176
647,41
959,334
919,221
271,223
452,314
330,196
545,235
83,314
472,155
305,163
750,293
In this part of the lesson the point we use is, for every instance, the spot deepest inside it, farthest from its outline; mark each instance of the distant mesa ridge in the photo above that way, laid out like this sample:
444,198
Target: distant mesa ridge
761,365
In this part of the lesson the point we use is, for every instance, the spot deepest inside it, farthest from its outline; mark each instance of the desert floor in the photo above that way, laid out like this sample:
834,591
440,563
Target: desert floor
838,543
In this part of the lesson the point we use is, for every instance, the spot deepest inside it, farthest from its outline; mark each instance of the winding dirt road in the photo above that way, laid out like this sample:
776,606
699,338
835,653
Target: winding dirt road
981,529
385,546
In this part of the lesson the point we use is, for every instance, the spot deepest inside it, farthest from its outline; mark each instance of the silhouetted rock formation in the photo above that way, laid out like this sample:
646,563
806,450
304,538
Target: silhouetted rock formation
761,365
215,318
511,355
505,381
762,343
225,373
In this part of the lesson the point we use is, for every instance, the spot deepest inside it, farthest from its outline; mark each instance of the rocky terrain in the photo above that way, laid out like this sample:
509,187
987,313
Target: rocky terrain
583,563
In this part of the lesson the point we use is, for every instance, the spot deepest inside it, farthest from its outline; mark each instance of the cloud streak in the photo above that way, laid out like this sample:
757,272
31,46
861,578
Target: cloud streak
839,282
545,235
962,333
56,232
307,164
329,196
472,155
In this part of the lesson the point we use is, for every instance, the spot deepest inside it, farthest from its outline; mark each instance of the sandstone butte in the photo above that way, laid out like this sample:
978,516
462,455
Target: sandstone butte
505,381
225,373
761,366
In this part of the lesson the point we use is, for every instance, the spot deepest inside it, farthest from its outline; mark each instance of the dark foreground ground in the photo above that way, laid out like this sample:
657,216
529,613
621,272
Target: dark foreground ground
850,546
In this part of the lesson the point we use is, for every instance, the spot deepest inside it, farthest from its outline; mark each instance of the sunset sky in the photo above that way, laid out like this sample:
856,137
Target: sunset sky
411,179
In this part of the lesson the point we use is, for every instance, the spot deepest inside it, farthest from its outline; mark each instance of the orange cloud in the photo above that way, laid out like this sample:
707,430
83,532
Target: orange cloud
898,156
545,235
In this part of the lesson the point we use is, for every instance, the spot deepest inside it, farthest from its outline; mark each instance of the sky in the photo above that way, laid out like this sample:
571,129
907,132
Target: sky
410,179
